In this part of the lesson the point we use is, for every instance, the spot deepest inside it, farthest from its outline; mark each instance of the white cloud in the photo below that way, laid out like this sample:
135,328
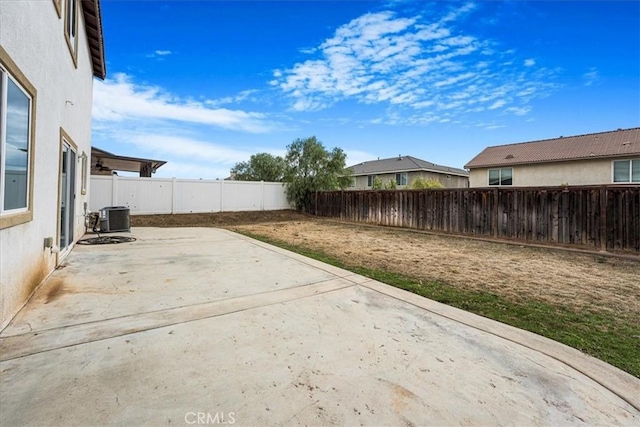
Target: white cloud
591,76
159,54
519,111
119,99
241,96
418,62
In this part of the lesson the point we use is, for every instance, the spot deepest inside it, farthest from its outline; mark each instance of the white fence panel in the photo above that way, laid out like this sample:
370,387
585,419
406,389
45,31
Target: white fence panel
145,195
100,192
192,196
165,196
240,196
274,196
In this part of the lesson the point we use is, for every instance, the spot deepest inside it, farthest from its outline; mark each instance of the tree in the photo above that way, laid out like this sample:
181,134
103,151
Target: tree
421,183
260,167
310,168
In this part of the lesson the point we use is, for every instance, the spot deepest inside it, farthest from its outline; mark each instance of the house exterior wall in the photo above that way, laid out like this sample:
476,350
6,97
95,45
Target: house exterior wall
32,35
454,181
577,172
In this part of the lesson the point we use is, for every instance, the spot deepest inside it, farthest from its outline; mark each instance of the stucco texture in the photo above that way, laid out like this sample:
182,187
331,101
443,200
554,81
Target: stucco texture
32,34
578,172
454,181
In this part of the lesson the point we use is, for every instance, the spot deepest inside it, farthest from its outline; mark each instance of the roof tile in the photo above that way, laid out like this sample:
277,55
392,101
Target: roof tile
617,143
403,164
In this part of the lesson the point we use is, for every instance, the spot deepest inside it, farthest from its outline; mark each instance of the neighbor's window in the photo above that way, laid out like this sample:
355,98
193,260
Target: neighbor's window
15,144
71,26
626,170
370,180
501,176
401,178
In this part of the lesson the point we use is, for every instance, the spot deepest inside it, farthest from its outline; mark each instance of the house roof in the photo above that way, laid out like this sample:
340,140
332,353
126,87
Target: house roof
617,143
403,164
93,25
103,160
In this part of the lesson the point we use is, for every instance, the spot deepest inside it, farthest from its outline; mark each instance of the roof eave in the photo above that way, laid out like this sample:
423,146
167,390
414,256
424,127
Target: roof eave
458,173
536,162
93,28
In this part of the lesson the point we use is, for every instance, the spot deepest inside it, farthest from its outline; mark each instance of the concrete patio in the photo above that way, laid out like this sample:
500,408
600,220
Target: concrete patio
203,326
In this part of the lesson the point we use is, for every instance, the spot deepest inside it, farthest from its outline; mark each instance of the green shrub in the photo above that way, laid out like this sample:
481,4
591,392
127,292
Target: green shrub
390,185
377,183
420,183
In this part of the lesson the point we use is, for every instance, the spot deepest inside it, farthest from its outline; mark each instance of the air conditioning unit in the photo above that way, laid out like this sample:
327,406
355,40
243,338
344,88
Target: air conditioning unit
114,218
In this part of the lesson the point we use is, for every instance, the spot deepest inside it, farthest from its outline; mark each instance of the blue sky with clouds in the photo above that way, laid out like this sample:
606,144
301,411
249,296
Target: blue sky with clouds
205,84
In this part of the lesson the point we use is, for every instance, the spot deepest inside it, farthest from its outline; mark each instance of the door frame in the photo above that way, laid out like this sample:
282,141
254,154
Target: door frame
66,140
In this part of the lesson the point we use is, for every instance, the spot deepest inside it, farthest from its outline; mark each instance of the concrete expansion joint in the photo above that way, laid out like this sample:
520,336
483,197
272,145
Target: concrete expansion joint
39,341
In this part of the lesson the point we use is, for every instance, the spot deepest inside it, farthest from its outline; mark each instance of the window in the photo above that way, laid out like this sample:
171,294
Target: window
501,176
401,178
71,28
370,180
626,170
16,125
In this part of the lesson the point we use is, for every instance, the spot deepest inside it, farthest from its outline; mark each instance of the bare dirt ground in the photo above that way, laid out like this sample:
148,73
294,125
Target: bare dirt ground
519,273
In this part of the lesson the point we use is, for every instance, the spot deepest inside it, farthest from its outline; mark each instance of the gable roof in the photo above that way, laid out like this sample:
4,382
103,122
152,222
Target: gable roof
93,27
403,164
617,143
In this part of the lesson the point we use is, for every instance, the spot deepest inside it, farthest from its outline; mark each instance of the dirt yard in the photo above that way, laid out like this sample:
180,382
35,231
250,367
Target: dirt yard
583,281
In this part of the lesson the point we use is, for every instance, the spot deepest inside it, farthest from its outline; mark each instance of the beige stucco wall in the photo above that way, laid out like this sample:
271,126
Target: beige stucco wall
579,172
453,181
33,36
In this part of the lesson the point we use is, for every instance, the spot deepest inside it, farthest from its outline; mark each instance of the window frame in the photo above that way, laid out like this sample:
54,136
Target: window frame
500,179
9,69
630,162
72,41
370,179
399,176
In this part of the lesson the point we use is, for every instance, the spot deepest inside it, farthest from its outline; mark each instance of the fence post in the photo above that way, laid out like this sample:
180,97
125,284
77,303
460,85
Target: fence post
603,218
261,195
173,195
496,216
222,195
114,189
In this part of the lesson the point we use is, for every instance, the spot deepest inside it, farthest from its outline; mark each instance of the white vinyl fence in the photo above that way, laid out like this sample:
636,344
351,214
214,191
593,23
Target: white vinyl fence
171,195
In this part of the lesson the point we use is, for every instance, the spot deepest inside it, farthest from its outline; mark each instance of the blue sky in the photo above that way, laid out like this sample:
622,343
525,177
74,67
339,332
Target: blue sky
205,84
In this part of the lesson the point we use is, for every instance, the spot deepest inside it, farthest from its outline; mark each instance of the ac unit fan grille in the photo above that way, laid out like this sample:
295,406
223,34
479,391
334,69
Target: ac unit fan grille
114,219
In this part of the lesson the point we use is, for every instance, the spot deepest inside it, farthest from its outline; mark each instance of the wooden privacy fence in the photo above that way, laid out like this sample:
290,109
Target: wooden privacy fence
600,217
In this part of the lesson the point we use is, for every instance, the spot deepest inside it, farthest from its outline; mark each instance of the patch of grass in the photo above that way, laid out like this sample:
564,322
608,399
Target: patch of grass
613,339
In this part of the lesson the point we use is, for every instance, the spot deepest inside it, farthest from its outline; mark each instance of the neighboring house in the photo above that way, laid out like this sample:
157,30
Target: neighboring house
404,170
105,163
50,51
594,159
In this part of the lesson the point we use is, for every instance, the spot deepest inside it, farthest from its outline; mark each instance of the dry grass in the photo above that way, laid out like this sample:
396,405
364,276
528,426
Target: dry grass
582,281
588,301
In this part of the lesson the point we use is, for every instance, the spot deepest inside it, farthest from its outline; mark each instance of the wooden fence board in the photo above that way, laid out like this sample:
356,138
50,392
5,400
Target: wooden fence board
601,217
